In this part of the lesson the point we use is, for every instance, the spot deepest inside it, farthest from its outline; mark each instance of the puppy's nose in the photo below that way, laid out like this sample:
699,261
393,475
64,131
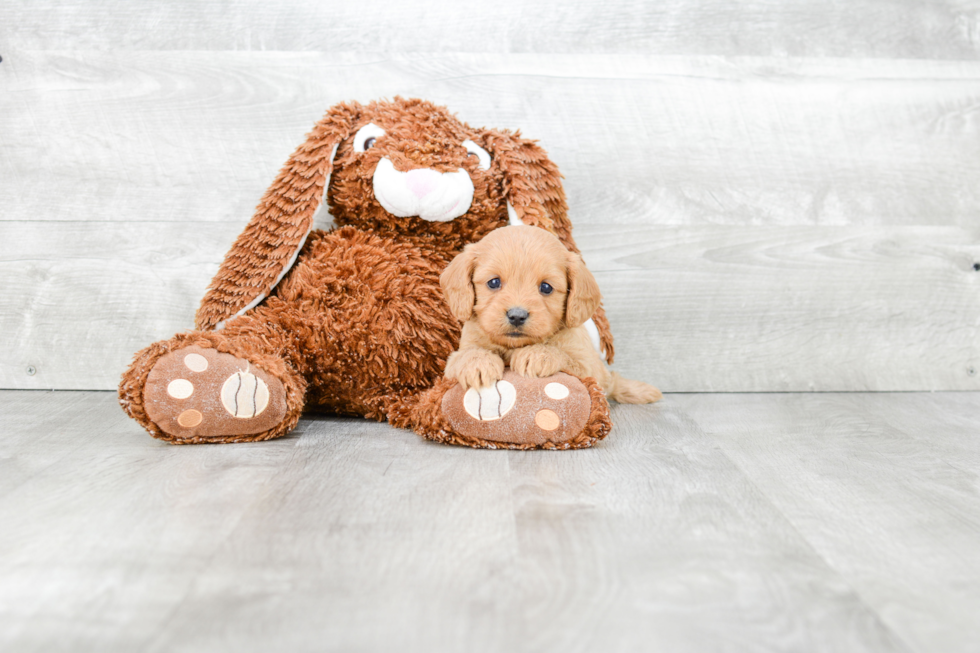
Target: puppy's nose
517,316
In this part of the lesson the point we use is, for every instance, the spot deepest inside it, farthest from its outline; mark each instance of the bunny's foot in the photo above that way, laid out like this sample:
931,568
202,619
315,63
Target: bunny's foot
556,412
192,393
200,393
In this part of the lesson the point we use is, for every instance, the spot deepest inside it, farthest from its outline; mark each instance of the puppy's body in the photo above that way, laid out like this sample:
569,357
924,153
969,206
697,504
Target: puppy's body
523,299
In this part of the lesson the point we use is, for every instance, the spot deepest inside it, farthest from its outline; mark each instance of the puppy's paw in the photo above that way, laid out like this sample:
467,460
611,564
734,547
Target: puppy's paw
537,361
475,368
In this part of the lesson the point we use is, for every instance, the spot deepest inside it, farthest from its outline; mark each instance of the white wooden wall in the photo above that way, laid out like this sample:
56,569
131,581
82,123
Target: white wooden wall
775,196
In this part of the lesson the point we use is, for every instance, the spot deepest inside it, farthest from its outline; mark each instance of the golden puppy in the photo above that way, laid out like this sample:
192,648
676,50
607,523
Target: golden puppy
523,298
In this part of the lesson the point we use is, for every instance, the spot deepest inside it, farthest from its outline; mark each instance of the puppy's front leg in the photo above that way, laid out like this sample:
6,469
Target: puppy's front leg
475,367
538,361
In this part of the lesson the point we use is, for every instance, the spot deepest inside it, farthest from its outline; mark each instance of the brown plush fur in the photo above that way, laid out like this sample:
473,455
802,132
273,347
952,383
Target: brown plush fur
357,324
519,262
419,134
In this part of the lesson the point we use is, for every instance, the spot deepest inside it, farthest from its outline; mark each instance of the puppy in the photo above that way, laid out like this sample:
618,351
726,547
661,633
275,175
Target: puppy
523,299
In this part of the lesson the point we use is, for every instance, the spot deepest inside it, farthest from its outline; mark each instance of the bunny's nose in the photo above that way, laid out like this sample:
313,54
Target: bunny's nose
517,316
422,181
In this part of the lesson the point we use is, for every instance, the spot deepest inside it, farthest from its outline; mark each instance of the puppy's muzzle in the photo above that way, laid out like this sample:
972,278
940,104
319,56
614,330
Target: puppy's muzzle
517,316
433,196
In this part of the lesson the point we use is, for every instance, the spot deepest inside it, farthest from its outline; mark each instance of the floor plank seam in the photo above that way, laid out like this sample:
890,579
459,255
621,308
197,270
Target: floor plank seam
716,438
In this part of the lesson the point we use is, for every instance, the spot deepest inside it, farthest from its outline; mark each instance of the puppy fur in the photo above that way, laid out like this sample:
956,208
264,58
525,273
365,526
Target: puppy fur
551,339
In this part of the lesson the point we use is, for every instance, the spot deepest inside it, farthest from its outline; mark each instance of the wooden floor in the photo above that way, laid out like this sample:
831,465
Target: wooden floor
711,522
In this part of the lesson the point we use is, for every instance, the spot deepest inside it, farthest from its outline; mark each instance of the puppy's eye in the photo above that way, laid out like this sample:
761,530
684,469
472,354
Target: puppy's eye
494,283
367,136
545,288
479,153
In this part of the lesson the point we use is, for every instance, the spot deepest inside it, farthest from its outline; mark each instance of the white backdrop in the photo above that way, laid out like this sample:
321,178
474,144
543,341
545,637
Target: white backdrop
774,196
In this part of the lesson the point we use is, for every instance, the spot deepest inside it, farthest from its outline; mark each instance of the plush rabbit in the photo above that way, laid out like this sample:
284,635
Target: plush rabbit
346,315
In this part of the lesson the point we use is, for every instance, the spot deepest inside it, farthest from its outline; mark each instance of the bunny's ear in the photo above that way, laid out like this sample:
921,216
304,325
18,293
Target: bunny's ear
268,247
535,197
532,183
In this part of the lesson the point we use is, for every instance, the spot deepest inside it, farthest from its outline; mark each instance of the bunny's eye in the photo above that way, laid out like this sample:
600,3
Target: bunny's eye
481,154
494,283
367,136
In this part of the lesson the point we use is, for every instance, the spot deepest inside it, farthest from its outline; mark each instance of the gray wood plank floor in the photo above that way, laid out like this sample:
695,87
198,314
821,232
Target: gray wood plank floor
763,522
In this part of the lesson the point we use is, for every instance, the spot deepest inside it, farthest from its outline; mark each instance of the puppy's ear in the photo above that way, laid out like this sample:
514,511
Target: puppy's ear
457,284
583,293
268,247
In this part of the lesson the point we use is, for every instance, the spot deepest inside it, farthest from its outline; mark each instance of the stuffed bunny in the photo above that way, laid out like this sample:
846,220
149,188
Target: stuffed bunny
346,315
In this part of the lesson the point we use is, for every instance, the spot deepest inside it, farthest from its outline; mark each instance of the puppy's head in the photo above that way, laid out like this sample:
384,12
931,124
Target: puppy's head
521,284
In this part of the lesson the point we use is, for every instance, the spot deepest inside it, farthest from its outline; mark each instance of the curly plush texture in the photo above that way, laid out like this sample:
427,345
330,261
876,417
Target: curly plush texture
352,320
418,134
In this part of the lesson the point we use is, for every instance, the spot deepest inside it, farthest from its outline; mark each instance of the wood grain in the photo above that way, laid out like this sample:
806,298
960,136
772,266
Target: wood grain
78,557
83,297
791,308
946,423
350,535
794,223
859,28
656,541
198,136
877,499
692,308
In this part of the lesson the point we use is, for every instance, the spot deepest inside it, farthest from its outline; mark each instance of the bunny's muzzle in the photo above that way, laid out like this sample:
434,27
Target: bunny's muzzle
433,196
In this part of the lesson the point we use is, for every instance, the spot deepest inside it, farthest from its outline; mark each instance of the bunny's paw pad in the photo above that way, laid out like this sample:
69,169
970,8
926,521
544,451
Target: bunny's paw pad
547,412
197,392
